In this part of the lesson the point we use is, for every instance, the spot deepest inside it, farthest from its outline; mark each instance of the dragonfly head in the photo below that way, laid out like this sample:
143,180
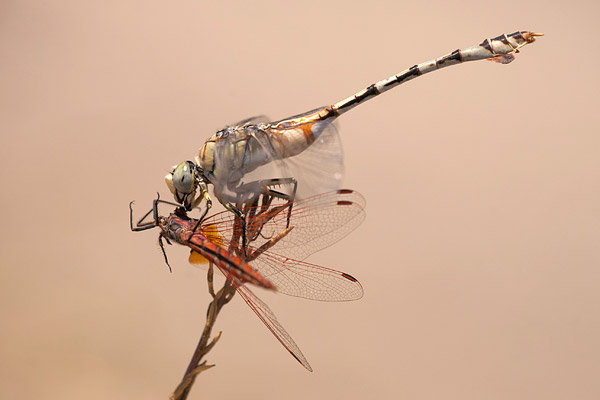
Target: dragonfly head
183,183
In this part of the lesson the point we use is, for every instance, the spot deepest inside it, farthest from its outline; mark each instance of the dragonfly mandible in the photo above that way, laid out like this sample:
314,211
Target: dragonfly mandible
277,238
305,147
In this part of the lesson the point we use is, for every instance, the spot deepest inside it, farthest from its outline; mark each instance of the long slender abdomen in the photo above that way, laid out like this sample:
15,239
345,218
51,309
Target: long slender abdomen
291,136
501,49
225,261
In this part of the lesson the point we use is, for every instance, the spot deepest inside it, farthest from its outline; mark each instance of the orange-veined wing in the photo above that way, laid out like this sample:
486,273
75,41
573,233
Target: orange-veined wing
317,222
269,319
298,278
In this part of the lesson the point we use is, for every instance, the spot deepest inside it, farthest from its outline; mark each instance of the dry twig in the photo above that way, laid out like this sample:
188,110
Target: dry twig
196,364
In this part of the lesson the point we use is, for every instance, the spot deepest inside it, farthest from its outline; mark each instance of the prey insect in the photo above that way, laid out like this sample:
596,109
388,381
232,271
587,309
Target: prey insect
272,230
178,227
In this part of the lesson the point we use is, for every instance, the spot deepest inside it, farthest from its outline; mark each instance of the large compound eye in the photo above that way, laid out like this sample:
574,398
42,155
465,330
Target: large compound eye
183,177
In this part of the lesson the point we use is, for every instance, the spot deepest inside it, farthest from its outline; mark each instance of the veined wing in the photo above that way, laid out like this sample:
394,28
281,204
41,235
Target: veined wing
269,319
309,281
256,119
318,163
309,151
317,222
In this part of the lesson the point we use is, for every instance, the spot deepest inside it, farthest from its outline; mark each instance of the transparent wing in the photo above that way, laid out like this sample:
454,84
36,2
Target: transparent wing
319,168
309,225
252,120
317,222
269,319
267,154
309,281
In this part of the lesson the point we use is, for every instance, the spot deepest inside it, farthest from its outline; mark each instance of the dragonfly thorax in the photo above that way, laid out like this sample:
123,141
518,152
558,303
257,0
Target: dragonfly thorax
231,153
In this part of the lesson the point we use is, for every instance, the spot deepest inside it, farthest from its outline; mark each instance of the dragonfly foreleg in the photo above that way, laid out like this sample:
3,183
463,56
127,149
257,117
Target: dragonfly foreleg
203,195
140,225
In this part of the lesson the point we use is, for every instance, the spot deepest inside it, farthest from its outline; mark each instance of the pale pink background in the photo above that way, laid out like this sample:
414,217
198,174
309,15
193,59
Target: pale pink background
479,255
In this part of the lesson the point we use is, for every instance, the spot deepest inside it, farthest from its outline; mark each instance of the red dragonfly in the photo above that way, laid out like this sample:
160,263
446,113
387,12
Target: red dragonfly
275,239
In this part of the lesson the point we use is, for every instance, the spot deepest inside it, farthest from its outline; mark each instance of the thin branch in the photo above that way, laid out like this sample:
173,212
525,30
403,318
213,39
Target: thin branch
195,366
187,381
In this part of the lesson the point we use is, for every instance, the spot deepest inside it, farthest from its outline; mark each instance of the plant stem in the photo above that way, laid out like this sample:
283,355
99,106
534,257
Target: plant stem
195,366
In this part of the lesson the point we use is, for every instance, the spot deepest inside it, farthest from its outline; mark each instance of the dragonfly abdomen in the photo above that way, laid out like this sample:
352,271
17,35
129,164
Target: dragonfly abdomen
500,49
291,136
227,262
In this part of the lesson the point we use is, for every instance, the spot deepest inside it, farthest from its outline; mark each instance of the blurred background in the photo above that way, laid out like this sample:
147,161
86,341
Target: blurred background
479,255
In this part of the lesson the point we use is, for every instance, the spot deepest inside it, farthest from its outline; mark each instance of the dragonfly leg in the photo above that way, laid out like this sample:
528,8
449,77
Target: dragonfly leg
162,247
239,218
250,216
248,191
285,196
140,225
244,237
248,196
278,182
203,195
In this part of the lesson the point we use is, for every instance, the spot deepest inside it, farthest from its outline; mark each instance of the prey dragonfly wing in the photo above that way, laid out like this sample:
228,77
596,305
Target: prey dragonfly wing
305,147
272,227
268,317
310,225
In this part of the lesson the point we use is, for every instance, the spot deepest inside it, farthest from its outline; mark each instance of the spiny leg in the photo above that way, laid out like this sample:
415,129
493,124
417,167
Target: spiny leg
250,193
289,198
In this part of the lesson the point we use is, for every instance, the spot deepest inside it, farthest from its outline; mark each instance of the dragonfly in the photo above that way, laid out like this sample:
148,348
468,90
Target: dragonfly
253,156
178,227
278,236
